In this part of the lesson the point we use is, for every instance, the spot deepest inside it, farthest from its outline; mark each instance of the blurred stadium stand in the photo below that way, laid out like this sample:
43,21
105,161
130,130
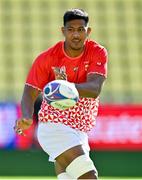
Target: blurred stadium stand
28,27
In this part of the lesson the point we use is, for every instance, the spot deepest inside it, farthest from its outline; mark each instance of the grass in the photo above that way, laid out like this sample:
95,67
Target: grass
54,178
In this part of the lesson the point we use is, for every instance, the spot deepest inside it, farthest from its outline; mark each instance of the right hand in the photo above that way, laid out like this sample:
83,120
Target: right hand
60,73
21,125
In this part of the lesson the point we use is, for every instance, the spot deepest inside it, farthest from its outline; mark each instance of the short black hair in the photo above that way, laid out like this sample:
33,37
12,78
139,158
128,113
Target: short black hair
75,13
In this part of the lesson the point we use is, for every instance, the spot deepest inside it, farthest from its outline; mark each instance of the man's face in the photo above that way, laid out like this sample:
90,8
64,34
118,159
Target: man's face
75,32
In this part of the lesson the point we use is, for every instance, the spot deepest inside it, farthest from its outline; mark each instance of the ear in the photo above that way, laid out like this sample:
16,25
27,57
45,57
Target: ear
63,30
88,31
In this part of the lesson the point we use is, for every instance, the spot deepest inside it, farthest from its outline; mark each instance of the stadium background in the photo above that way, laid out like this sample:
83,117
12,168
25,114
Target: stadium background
28,27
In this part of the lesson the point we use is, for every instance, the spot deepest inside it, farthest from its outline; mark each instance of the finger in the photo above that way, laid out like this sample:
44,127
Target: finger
26,122
56,70
62,77
59,71
16,126
63,70
17,123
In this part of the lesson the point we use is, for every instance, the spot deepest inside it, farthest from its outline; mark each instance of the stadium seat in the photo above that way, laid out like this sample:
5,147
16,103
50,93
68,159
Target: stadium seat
29,27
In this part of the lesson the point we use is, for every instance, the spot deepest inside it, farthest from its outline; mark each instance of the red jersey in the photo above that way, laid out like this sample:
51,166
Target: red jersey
93,60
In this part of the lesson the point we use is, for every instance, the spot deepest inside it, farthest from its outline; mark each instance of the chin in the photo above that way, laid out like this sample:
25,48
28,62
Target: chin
76,47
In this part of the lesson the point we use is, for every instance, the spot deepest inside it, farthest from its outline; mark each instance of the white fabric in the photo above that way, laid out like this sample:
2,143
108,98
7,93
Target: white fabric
64,176
55,138
79,166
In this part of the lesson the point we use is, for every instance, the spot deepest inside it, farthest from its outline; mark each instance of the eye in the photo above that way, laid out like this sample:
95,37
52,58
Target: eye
70,29
81,29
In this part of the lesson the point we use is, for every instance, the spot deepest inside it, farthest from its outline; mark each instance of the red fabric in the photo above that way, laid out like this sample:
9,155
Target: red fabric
94,59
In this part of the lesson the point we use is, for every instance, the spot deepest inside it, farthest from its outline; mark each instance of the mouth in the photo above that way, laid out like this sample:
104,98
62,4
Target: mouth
76,40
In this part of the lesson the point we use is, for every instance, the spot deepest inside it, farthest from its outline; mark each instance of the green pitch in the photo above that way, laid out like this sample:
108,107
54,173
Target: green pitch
54,178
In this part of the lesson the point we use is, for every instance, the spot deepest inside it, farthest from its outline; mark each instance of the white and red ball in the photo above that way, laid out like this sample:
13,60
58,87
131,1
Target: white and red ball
61,94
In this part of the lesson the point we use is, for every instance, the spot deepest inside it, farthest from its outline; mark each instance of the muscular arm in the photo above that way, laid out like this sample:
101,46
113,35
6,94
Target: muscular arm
27,105
92,87
30,94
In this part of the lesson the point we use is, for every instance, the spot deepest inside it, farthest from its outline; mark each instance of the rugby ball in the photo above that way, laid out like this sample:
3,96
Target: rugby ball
61,94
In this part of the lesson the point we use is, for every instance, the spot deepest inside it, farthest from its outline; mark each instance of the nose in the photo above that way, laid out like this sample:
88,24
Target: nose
76,34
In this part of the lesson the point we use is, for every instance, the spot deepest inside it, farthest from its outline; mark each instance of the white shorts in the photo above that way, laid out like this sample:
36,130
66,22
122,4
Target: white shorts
56,138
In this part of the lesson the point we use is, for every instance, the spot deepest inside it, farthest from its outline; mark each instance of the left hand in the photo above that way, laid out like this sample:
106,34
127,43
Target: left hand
21,125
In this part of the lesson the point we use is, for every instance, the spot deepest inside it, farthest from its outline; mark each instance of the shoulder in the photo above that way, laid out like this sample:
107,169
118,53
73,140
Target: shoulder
94,46
96,50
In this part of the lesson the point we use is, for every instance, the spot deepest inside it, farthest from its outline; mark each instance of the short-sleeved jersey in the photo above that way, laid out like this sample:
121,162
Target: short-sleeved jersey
93,60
